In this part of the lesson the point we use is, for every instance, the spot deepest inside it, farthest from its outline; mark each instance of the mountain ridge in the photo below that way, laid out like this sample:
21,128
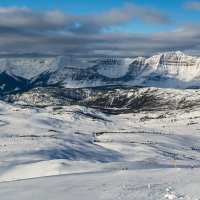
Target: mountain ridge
165,70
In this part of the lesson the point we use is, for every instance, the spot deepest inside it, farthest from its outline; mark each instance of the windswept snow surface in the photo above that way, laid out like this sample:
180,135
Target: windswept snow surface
73,152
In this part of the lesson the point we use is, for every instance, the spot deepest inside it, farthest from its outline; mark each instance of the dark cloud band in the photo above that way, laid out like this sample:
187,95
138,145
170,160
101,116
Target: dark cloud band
23,30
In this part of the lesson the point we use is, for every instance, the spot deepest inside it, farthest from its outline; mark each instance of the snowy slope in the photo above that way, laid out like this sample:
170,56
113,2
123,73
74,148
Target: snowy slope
31,67
87,152
152,184
25,67
114,68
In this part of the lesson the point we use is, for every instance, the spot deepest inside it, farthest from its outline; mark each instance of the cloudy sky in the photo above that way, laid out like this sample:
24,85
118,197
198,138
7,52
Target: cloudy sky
95,28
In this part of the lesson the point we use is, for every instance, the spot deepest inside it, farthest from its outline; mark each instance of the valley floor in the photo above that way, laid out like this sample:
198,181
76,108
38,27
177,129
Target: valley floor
74,152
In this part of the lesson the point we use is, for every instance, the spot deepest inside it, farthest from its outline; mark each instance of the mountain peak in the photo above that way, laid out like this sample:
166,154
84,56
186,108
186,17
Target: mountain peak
172,57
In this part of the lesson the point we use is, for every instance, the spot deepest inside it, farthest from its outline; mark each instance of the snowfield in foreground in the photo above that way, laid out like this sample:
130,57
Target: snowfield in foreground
71,152
152,184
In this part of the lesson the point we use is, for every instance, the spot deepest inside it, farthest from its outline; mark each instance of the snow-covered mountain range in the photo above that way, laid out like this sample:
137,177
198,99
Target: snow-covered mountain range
121,140
168,70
